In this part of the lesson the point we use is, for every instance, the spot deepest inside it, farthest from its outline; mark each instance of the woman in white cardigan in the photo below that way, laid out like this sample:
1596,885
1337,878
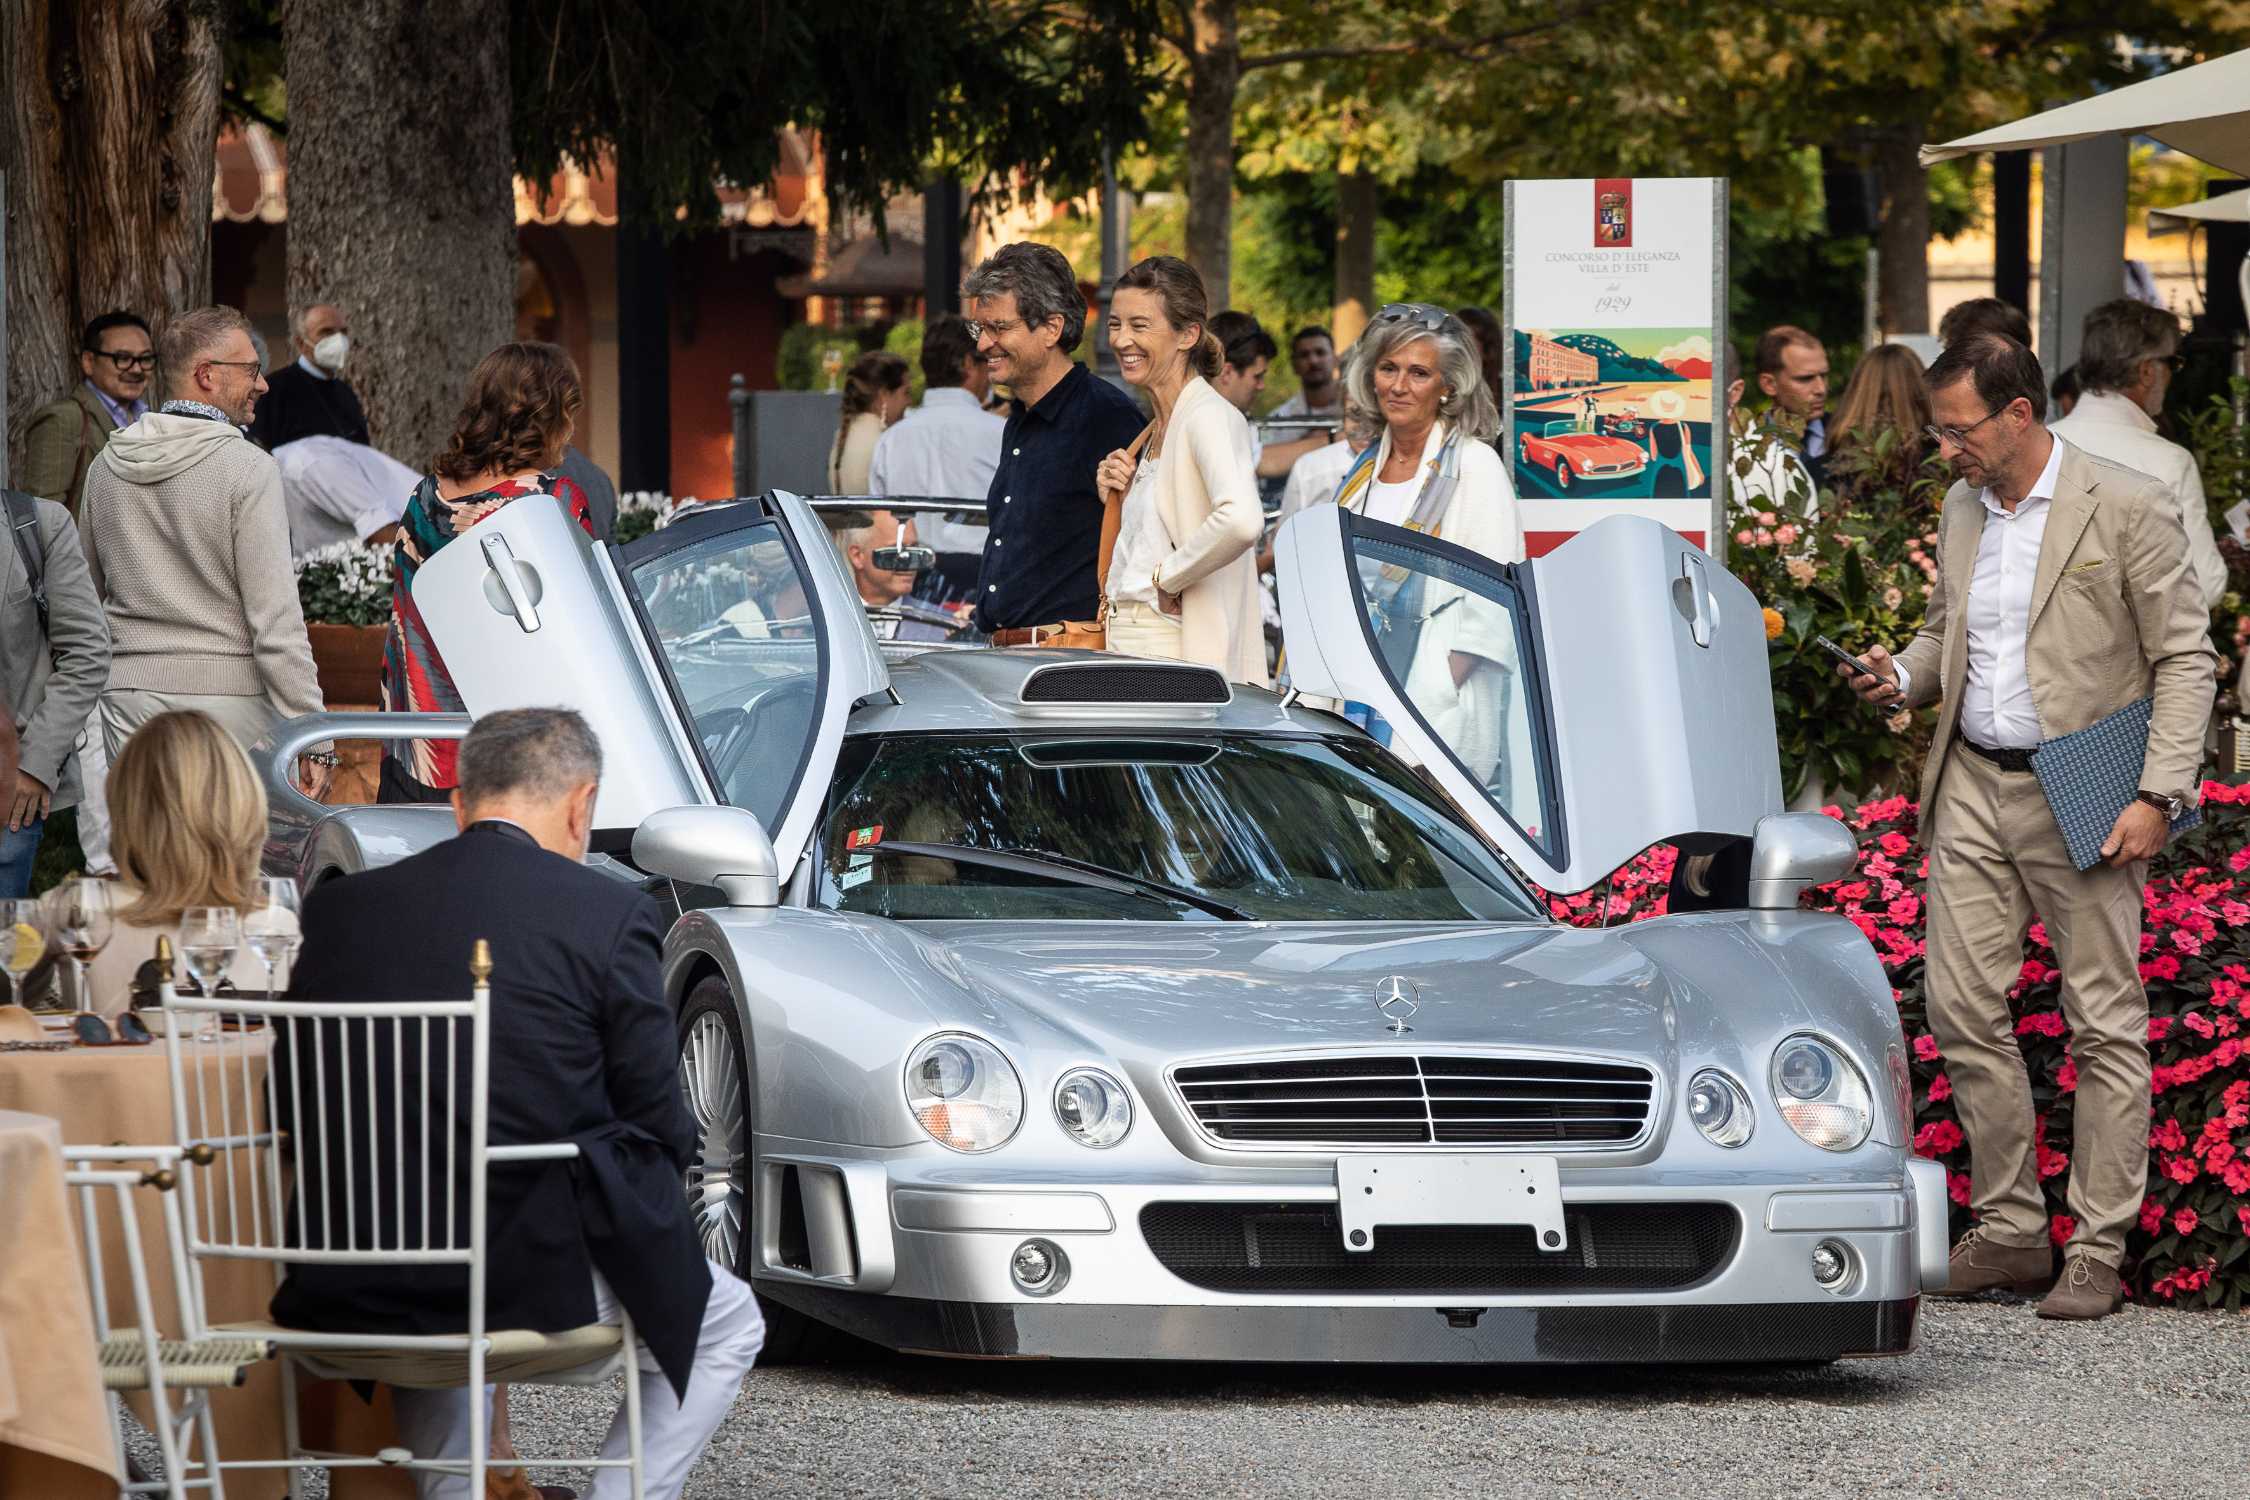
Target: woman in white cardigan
1183,577
1435,471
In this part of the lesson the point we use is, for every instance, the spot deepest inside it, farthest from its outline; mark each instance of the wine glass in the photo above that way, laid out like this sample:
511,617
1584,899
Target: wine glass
83,922
209,936
271,926
23,942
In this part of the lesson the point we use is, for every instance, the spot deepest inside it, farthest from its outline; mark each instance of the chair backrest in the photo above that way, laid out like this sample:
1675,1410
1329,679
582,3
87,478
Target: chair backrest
99,1174
327,1133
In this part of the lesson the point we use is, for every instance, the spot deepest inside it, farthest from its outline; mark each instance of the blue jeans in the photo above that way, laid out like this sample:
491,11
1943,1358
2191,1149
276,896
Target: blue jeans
18,849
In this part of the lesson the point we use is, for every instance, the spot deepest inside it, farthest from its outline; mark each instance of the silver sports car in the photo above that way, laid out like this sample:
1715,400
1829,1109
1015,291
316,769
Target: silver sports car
1052,1004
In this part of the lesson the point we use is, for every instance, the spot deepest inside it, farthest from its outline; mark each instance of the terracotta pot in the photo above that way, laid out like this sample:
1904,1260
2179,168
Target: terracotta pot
349,659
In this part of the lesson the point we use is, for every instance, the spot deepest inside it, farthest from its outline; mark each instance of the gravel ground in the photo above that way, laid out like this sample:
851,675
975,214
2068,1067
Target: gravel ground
1995,1402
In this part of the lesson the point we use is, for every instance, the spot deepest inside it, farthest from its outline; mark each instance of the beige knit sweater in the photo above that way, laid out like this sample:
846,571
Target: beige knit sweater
188,543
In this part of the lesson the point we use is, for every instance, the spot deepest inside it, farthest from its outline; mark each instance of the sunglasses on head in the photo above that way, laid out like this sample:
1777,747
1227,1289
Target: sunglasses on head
1421,314
92,1029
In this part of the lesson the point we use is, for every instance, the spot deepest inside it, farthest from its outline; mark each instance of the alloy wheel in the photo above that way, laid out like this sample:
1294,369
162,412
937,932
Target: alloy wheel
718,1180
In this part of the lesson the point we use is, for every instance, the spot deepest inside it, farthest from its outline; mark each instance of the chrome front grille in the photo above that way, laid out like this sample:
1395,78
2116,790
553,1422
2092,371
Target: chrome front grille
1440,1099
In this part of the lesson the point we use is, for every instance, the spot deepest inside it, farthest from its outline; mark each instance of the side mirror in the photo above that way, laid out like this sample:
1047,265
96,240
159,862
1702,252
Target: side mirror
724,847
1792,852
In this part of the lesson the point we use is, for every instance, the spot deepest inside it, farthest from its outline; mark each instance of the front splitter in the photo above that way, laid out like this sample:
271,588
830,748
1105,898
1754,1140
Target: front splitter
1757,1332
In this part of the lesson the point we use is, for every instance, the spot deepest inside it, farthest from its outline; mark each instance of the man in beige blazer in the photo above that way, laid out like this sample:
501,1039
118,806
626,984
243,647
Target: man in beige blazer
2063,595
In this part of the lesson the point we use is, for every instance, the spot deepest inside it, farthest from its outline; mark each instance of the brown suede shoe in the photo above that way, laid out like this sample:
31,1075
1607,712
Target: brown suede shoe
1982,1265
2088,1289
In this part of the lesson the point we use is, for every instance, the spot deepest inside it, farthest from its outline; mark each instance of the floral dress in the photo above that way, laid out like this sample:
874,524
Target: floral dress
414,677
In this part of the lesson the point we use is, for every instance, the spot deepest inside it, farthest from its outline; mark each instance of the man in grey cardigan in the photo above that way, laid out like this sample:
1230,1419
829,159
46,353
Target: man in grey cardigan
51,669
188,543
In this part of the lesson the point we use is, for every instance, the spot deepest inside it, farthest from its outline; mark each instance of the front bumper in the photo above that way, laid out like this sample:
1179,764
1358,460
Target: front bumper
913,1252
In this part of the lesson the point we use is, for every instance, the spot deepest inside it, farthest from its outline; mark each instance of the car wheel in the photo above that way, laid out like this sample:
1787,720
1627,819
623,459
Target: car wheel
715,1077
1562,473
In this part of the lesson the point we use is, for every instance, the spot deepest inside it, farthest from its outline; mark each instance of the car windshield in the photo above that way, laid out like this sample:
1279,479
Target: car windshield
1189,828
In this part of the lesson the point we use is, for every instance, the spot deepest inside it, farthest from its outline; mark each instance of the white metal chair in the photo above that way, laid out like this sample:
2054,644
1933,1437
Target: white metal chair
341,1152
185,1368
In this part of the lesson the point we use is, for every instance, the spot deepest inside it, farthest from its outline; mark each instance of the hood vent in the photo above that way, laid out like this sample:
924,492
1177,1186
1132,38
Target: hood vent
1125,682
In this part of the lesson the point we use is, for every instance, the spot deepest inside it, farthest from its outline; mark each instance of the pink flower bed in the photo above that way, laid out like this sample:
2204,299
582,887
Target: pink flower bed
2192,1245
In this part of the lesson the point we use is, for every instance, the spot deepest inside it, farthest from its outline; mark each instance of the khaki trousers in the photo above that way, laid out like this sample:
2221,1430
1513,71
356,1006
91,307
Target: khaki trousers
1997,857
1136,629
245,716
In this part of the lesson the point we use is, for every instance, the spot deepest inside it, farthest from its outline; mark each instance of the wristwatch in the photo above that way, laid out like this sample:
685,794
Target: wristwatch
2169,806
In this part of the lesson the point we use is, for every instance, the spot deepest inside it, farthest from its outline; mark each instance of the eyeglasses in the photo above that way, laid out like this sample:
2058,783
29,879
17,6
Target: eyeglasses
2175,362
1421,314
978,328
125,360
1958,435
230,364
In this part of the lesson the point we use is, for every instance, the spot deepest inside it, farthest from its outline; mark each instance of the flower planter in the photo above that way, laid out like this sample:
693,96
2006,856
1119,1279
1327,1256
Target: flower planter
349,661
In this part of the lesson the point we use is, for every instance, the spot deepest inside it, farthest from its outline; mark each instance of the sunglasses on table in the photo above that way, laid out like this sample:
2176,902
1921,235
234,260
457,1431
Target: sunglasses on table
95,1032
125,361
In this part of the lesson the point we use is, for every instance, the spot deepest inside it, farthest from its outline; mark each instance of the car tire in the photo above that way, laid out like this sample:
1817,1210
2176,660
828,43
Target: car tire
715,1078
1562,474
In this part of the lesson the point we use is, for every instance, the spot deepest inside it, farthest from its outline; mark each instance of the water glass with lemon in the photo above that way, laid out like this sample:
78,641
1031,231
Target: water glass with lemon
23,942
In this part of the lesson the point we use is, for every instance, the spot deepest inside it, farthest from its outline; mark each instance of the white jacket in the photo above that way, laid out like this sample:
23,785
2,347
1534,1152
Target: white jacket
2109,426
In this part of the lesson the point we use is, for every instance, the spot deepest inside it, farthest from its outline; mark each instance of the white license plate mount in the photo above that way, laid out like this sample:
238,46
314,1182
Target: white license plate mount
1373,1191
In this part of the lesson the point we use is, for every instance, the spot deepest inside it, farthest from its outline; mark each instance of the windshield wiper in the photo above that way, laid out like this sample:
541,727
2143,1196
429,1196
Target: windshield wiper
1098,877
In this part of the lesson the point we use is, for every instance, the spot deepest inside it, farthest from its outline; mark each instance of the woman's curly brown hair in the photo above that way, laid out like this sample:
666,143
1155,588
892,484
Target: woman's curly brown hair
517,417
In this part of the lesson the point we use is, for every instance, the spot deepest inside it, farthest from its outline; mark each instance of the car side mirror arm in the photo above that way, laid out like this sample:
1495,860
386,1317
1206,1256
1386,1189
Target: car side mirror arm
723,847
1792,852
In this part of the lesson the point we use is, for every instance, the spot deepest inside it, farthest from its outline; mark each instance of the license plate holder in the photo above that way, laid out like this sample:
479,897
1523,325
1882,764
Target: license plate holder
1373,1191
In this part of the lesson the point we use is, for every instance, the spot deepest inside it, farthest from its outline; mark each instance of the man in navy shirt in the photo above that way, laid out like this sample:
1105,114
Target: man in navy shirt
1045,509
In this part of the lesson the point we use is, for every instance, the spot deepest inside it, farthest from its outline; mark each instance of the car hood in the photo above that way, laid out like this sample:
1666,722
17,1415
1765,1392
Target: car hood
1192,991
1599,446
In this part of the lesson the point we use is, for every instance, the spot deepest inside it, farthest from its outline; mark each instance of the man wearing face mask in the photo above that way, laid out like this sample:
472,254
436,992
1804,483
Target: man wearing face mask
311,397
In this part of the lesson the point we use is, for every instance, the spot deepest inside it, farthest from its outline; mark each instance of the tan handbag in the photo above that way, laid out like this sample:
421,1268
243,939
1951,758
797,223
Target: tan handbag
1090,635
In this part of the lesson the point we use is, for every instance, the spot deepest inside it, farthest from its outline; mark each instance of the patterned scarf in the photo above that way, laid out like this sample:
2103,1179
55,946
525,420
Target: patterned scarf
195,409
1440,475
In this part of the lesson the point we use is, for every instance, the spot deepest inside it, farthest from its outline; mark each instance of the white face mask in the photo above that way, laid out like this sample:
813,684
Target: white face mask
331,352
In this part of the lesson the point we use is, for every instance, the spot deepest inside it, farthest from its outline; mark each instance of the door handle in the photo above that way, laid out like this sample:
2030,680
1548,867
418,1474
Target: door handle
511,587
1697,607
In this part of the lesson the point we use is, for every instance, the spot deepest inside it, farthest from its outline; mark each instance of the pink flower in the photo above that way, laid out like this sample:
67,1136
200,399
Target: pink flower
2152,1214
1926,1047
1957,1187
2198,1023
2237,1178
1767,518
2052,1163
1745,537
2060,1228
1894,844
2066,1076
2168,1137
1785,535
2038,935
1765,537
2185,1220
1941,1089
2185,943
2181,1169
2242,1215
2163,966
1937,1138
2158,1027
2043,1023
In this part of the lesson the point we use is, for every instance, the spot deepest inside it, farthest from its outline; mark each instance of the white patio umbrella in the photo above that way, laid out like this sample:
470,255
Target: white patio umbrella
2227,208
2203,110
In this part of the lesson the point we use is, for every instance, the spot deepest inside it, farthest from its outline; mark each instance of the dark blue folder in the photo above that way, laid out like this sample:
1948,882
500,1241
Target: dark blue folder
2091,774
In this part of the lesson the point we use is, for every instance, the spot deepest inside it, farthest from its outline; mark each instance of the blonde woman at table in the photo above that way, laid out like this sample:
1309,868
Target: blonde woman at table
187,820
1183,575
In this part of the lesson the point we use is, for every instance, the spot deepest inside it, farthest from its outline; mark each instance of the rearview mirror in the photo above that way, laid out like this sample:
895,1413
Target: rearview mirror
724,847
1792,852
905,559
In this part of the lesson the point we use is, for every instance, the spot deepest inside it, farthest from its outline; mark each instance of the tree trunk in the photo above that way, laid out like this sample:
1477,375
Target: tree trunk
1903,241
1214,75
401,209
1356,208
108,135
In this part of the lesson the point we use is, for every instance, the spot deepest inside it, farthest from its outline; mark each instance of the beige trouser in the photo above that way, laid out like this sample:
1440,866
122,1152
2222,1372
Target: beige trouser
1137,629
245,716
1998,858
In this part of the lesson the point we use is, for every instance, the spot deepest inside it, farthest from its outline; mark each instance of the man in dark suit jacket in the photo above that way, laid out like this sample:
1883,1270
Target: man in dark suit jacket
583,1048
310,397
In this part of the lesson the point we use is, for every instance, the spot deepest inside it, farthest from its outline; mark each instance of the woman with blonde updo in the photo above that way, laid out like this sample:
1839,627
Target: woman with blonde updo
874,398
1183,575
187,820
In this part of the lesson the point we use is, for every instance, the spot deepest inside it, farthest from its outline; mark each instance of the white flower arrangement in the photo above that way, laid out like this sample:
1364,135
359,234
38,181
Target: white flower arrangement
345,583
640,512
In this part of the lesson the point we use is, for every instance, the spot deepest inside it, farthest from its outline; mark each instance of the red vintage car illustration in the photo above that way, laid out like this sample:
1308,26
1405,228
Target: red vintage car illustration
1572,455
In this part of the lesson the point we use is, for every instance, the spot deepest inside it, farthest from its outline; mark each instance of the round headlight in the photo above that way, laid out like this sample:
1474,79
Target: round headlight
1719,1108
963,1092
1093,1107
1821,1093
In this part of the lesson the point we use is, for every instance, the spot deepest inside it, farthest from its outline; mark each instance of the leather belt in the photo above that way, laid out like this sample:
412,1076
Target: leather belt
2007,759
1024,635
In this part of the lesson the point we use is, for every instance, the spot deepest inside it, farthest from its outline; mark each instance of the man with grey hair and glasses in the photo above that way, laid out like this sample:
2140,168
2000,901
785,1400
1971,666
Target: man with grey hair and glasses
579,1015
1044,506
310,397
2125,366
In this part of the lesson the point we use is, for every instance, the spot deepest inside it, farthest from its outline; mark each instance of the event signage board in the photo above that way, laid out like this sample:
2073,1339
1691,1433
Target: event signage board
1614,384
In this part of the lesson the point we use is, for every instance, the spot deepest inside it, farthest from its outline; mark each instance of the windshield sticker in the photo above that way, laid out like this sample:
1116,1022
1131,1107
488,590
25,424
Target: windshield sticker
864,838
859,877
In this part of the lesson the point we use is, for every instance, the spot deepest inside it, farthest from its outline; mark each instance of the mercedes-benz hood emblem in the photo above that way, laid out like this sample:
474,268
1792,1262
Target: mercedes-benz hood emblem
1398,998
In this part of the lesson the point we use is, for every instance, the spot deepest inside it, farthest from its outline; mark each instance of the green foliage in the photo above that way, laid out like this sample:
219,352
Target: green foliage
905,341
997,91
345,584
799,362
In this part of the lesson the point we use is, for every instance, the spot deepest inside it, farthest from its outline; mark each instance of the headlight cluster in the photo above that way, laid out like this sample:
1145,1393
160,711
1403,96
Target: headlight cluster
1821,1094
964,1093
967,1096
1719,1108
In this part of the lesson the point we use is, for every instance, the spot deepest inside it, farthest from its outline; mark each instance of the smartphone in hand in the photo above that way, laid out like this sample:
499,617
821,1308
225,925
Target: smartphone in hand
1859,668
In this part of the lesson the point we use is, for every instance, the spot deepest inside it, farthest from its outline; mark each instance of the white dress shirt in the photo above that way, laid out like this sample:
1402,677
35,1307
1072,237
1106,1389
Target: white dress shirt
336,490
1996,707
1314,477
948,446
2110,426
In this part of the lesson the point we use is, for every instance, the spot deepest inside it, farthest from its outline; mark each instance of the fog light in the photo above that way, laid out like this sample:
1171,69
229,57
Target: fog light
1831,1264
1039,1267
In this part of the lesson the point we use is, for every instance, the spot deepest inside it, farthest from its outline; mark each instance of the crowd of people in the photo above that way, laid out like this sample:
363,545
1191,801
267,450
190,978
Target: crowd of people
152,634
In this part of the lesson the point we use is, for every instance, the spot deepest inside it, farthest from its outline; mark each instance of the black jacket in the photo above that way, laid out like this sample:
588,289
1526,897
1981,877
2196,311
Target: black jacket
299,404
584,1048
